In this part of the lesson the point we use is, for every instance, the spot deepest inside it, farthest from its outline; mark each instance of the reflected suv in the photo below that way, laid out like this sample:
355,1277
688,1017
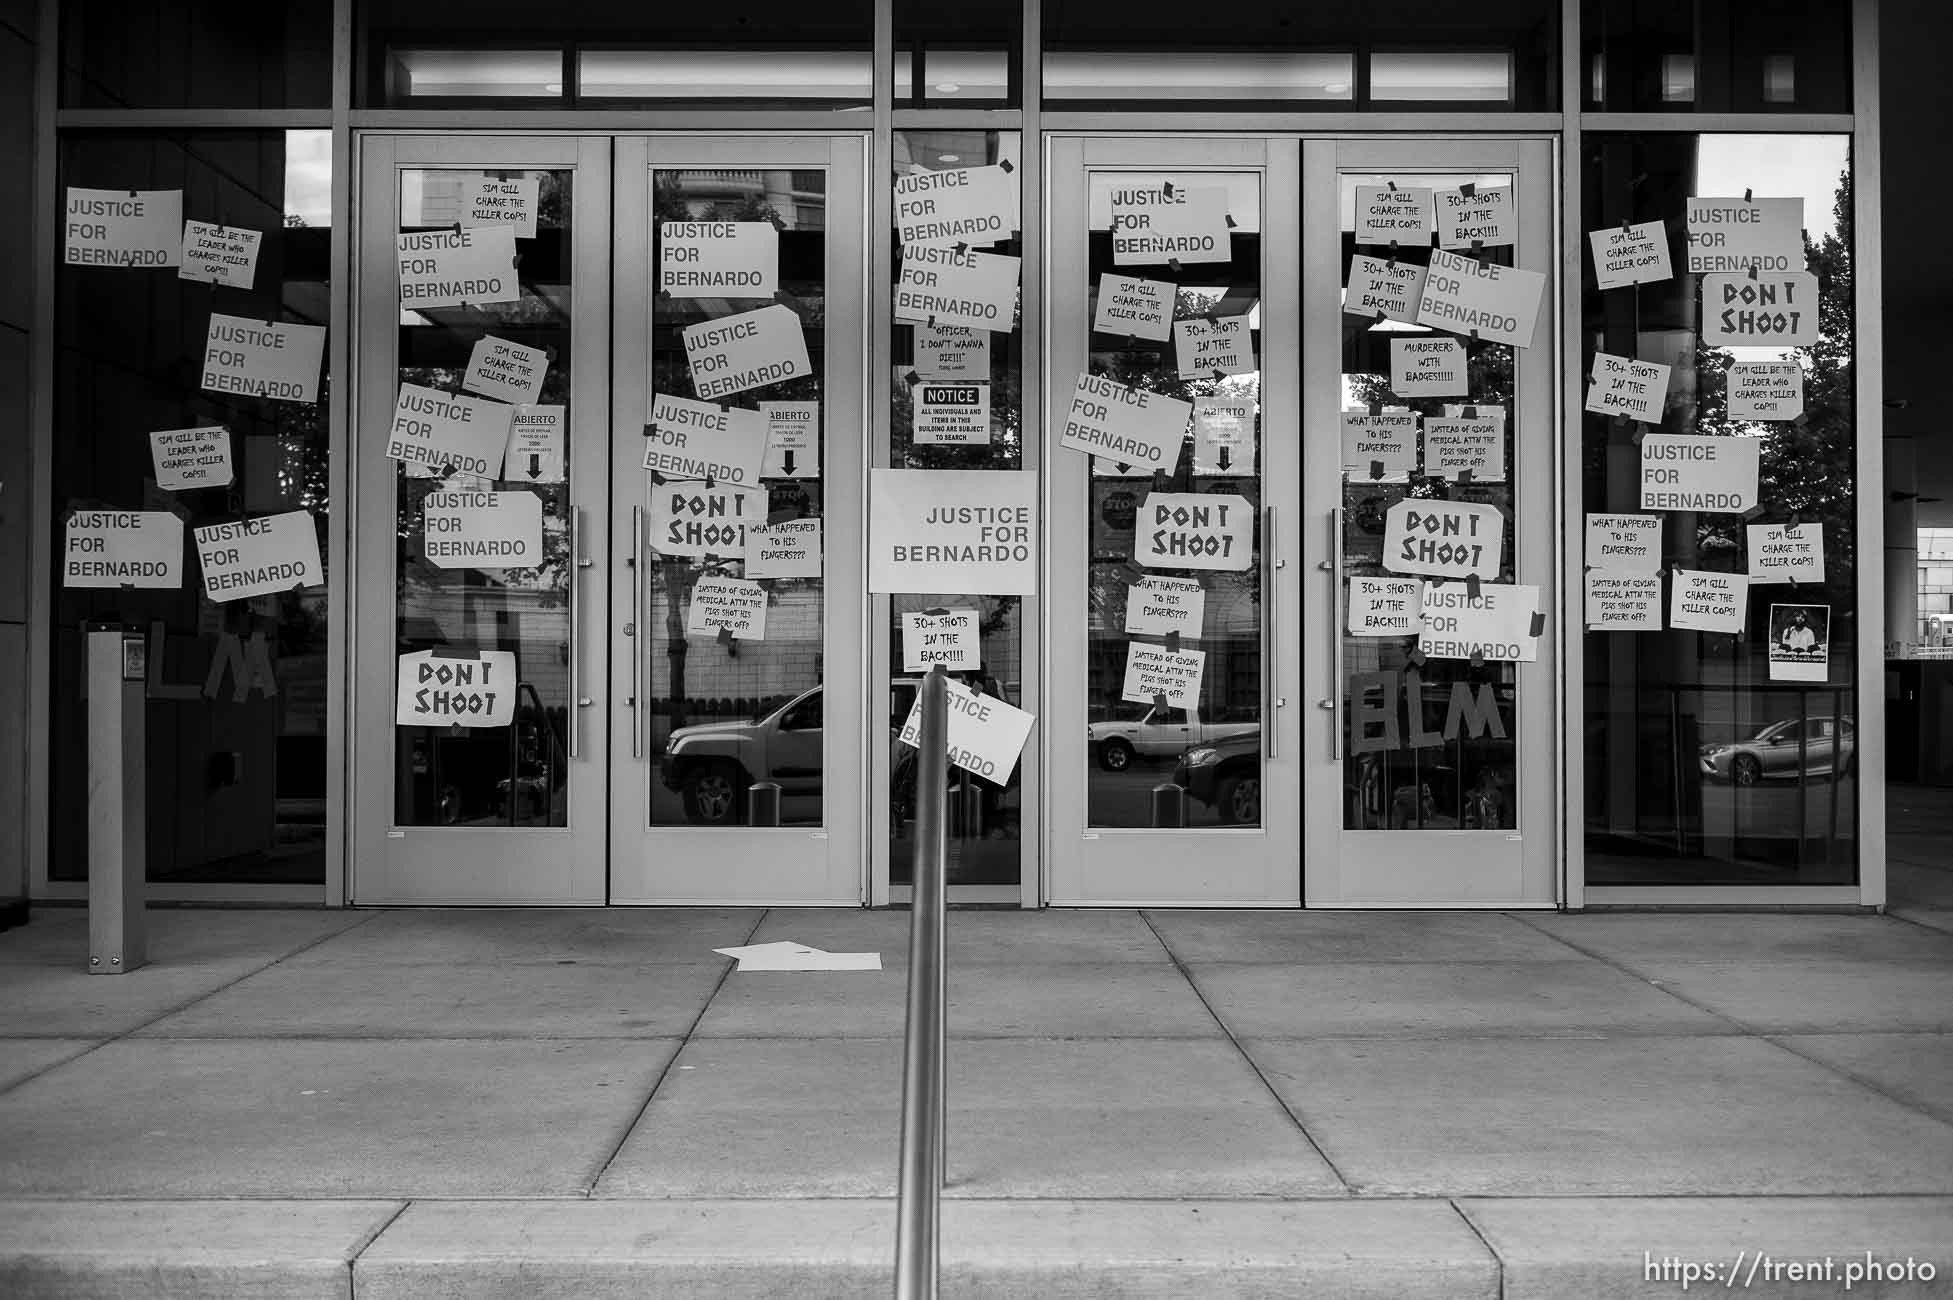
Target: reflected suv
1226,776
1790,748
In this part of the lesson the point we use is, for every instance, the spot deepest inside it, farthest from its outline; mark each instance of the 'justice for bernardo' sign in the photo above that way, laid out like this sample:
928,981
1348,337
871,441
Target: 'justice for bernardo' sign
535,446
448,431
1173,223
1443,539
482,530
718,259
1195,530
1736,234
751,350
1768,311
124,227
259,557
1466,296
263,359
455,690
962,205
792,439
1497,623
687,439
116,548
446,268
985,734
966,531
943,286
1125,425
1685,471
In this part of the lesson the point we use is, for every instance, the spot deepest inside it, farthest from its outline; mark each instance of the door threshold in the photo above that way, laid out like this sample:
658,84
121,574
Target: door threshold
987,896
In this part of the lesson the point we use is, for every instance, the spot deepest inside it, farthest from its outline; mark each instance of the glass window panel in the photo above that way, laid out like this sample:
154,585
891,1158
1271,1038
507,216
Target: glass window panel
984,818
1704,764
1448,76
962,54
1718,55
195,54
474,74
1213,748
744,77
1428,745
516,775
1198,75
237,691
727,714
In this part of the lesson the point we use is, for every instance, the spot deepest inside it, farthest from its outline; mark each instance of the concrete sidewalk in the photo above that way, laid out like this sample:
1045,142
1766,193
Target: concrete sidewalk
589,1103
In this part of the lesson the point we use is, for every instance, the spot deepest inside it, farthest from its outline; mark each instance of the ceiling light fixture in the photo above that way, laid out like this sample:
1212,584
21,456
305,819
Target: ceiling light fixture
947,87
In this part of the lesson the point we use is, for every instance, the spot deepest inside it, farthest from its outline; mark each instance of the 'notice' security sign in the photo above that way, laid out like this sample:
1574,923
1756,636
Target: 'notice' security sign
967,531
449,689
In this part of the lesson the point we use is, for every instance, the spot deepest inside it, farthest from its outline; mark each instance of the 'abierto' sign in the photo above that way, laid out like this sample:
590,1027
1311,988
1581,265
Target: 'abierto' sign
1466,296
437,688
1736,234
940,286
501,201
960,205
1169,223
1427,368
1686,471
508,371
1161,606
1765,390
692,519
1496,624
226,255
1125,425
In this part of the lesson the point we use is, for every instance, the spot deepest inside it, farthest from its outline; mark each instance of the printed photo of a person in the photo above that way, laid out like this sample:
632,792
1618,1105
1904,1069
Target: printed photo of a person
1801,635
1800,642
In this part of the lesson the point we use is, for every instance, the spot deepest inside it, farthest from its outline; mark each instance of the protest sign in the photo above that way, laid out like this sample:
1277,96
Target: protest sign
1377,287
1622,602
123,548
718,259
448,432
123,227
1624,386
751,350
1473,214
501,200
1195,530
1386,606
504,370
1380,447
1626,255
191,458
446,688
1386,214
1626,543
1162,606
1466,447
1497,623
971,531
447,268
259,557
1481,299
1708,602
698,440
1681,471
1169,223
1736,234
482,530
1125,426
1771,311
985,734
1428,368
263,358
215,254
1216,346
1765,390
1780,553
952,352
1443,539
948,639
788,549
732,606
1128,305
1800,643
945,287
692,519
1154,673
976,206
793,431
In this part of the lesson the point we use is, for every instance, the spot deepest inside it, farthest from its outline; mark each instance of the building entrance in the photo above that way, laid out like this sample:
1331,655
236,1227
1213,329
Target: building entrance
587,488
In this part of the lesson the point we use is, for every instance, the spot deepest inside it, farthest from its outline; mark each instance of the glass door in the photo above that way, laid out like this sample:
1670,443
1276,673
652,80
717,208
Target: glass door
1430,523
738,677
479,456
1173,403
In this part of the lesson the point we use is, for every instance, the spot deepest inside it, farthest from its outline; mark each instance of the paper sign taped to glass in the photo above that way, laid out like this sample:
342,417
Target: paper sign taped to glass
986,735
948,640
534,453
718,259
1161,606
693,519
734,607
941,285
1377,287
1471,446
754,349
951,414
118,548
271,359
1135,307
1224,436
482,530
259,557
1778,310
1800,643
123,227
701,440
447,268
500,200
963,531
793,431
1735,234
1780,553
1467,296
953,351
1428,368
1205,347
1443,539
976,206
448,432
1380,447
187,459
453,688
1131,429
1195,530
1624,543
1482,215
1497,623
1764,390
1154,672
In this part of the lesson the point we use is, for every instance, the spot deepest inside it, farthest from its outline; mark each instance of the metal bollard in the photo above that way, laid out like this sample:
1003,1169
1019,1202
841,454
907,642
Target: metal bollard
1169,807
763,804
919,1210
117,664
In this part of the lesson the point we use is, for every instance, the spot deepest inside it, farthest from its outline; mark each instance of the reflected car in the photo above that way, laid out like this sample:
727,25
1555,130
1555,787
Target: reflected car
1782,750
1152,732
1226,776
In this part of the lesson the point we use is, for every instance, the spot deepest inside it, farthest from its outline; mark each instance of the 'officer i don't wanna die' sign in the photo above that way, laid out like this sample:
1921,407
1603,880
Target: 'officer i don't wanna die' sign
1195,530
965,531
123,548
718,259
447,268
751,350
263,358
259,557
446,688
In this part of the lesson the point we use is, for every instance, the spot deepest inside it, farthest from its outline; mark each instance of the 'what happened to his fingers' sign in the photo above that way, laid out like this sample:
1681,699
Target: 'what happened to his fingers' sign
1195,530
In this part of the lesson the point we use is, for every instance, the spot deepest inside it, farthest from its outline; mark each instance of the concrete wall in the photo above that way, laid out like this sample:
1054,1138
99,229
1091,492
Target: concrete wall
19,28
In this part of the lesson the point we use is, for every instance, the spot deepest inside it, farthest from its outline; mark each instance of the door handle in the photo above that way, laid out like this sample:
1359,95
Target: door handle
1271,655
635,563
1332,702
578,563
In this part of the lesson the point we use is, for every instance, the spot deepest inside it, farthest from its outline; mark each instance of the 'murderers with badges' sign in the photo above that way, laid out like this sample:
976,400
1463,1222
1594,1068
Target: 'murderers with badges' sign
1685,471
970,532
263,358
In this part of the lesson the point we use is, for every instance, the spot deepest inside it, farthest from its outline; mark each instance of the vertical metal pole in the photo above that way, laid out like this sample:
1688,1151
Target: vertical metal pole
919,1209
117,935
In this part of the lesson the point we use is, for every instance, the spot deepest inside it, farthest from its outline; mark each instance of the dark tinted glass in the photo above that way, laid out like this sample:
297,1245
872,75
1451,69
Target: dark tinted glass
1723,56
196,54
237,690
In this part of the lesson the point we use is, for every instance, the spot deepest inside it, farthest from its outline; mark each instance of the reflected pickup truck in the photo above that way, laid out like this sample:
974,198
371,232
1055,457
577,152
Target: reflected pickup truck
1156,733
711,764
